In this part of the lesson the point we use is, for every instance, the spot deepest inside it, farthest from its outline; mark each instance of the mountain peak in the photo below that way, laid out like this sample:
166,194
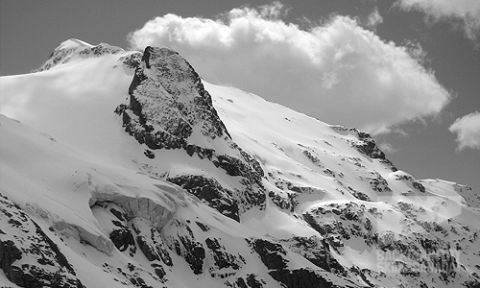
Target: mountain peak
73,43
169,109
167,99
77,49
162,53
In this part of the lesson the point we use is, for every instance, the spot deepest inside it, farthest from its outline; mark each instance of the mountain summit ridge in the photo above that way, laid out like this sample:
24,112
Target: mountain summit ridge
170,109
74,49
135,172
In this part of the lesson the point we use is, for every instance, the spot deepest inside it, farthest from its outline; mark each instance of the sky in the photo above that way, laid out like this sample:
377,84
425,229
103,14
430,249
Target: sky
407,71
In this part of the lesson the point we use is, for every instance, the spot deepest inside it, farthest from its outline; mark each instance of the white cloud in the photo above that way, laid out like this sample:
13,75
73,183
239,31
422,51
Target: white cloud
416,51
374,19
467,129
387,147
465,11
338,72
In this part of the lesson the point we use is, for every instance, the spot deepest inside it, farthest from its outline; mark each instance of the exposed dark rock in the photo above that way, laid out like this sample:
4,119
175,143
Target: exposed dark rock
64,54
312,158
131,61
146,249
43,264
311,221
160,272
341,221
8,254
240,283
317,251
195,254
167,103
368,146
149,154
180,85
211,191
202,226
139,282
402,176
59,257
222,258
101,49
287,203
146,56
418,186
120,216
472,284
122,238
359,195
185,244
300,278
151,251
253,282
271,254
30,276
378,183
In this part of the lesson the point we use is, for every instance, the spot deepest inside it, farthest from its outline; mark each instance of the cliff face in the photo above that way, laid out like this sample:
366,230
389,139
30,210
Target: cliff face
169,108
169,99
190,184
28,257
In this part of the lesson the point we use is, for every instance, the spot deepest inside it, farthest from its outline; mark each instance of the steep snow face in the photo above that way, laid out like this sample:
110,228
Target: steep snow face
69,98
378,219
296,202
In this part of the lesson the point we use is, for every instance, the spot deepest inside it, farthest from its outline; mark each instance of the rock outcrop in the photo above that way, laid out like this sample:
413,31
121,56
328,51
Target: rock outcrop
28,257
74,48
169,108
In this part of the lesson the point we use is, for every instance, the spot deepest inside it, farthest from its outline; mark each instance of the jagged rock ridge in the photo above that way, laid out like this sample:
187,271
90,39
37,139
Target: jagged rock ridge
170,109
42,263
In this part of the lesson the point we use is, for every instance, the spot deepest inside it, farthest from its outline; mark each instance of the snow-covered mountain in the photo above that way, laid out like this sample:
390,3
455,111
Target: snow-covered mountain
125,169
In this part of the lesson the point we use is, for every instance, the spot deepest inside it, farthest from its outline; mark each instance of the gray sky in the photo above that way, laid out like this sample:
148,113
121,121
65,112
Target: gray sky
30,30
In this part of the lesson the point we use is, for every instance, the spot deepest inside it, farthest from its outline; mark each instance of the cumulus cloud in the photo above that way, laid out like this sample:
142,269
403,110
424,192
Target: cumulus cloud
467,129
467,12
338,72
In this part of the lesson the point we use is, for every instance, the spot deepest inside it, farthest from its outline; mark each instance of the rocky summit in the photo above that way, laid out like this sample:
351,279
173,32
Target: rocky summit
127,169
169,108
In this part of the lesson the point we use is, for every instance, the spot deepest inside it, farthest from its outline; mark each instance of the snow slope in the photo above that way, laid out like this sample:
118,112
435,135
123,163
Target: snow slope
98,190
